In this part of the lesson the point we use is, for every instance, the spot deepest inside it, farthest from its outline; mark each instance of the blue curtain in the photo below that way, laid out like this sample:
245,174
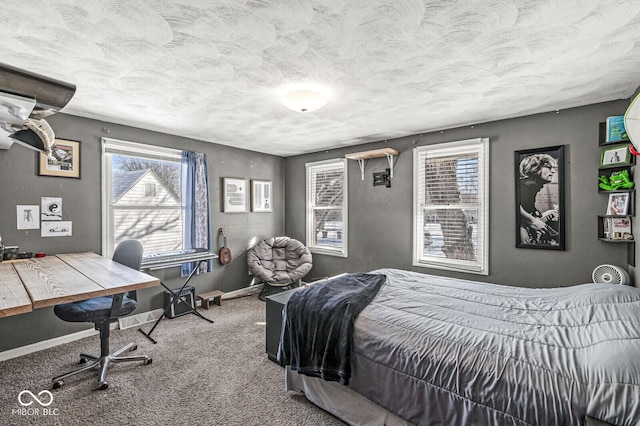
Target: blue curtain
195,204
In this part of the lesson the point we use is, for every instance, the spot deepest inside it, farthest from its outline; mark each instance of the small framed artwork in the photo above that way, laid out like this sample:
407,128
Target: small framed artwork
261,196
56,229
64,160
614,156
28,217
540,214
51,208
234,195
618,204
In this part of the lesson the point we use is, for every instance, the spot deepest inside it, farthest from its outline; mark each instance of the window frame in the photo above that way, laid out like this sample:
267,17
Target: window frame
111,147
480,266
312,168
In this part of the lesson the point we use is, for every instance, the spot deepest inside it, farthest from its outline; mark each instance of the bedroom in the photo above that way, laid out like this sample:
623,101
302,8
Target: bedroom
380,218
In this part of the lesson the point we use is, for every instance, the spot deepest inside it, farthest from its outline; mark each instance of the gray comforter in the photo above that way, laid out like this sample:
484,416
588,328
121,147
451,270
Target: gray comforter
440,351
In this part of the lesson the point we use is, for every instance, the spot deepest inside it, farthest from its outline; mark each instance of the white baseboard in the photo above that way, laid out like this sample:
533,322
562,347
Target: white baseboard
46,344
246,291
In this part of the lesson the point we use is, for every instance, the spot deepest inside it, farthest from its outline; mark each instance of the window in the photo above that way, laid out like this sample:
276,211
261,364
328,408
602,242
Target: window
141,196
327,207
451,206
149,189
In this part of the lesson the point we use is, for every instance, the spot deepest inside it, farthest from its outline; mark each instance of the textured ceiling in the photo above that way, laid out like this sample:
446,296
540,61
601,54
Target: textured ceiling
212,70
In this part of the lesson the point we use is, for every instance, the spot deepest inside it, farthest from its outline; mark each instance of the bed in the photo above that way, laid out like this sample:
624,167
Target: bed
430,350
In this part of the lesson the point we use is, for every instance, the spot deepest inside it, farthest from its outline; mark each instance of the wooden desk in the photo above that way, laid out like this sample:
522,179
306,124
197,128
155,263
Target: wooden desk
63,278
14,299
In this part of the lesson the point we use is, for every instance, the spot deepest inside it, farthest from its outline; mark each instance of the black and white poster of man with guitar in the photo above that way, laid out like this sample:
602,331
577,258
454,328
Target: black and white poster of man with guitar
540,194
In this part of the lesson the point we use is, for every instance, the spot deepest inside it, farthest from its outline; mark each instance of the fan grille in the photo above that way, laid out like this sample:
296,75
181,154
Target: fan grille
609,274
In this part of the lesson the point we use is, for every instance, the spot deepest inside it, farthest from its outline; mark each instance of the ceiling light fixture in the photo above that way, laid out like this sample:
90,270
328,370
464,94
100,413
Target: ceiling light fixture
304,98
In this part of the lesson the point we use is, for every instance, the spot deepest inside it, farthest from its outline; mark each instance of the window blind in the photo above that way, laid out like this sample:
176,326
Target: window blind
326,207
451,206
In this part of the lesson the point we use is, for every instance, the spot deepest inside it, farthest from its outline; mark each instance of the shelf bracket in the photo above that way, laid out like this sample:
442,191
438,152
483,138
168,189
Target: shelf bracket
361,163
390,160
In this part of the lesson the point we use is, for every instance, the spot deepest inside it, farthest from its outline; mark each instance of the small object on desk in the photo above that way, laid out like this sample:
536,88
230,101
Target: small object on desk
40,254
17,255
10,252
214,296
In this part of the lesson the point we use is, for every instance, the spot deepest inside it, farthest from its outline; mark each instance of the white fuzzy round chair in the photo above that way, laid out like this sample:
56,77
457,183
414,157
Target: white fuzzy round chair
280,263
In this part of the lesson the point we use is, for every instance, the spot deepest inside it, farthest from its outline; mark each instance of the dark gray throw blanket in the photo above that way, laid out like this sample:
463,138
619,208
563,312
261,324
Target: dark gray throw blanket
317,325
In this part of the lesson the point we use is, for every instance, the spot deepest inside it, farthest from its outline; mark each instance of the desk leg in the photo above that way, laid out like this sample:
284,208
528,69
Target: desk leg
176,298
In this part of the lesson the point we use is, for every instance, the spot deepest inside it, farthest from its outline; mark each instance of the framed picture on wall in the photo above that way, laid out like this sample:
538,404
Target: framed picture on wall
261,196
64,160
234,195
614,156
618,204
540,215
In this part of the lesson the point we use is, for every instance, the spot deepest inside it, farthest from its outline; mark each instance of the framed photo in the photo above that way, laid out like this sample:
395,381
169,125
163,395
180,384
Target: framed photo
540,214
614,156
618,204
234,195
618,228
64,160
261,196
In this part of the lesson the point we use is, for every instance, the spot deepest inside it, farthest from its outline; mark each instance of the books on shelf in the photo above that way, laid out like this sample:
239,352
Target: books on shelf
615,130
617,228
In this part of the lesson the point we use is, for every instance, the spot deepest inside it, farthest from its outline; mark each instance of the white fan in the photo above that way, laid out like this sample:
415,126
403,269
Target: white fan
610,274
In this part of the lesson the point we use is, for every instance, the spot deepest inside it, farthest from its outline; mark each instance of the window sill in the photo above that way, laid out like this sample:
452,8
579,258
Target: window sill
328,251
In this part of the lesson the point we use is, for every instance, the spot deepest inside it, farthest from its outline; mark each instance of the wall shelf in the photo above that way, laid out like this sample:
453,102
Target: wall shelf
603,233
363,156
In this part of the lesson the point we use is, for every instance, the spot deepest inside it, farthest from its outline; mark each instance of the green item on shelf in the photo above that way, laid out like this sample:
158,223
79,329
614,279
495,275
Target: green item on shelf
617,180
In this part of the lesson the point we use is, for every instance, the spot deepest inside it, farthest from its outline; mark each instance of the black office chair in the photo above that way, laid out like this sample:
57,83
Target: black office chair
102,311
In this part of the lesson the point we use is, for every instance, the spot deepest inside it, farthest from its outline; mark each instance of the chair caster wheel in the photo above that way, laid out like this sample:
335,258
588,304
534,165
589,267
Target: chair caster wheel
83,361
58,384
147,361
103,385
133,348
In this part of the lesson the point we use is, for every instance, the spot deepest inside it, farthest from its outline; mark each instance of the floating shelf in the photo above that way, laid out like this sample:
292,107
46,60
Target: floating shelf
363,156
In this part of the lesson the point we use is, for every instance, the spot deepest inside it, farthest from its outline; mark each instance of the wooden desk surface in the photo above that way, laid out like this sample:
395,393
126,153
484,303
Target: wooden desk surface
13,297
65,278
112,276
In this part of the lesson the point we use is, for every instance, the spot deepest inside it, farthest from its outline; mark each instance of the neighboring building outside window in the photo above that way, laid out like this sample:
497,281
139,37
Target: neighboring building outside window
327,207
451,206
141,196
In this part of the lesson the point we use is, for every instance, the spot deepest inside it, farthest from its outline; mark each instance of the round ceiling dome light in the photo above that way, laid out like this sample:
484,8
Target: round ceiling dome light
304,98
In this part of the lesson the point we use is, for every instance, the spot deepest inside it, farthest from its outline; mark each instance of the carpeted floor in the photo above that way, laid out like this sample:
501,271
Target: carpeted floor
202,374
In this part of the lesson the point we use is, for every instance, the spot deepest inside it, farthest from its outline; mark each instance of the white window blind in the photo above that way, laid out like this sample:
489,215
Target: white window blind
327,207
451,202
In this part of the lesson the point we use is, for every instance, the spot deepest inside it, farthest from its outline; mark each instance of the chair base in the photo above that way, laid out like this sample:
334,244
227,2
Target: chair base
102,362
270,290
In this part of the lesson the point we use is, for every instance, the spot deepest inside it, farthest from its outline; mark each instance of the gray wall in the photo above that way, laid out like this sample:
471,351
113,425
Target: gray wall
380,218
81,200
